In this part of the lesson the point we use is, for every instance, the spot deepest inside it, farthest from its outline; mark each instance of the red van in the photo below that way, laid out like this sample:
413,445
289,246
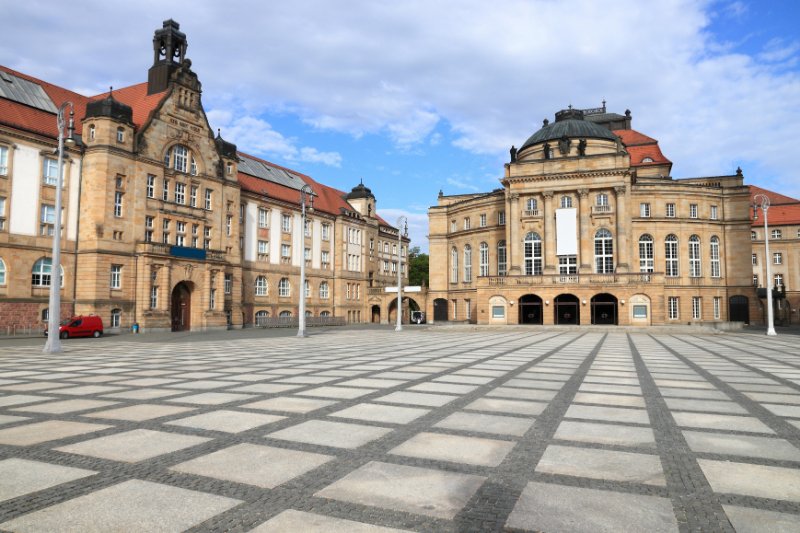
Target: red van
81,326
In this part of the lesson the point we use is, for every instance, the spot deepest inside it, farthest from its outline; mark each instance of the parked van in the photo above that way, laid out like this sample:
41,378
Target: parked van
80,326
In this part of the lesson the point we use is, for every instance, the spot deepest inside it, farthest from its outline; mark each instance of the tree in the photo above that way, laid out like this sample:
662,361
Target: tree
417,267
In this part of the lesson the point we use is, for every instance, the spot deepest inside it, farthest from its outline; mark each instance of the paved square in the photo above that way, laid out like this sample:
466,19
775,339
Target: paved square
463,429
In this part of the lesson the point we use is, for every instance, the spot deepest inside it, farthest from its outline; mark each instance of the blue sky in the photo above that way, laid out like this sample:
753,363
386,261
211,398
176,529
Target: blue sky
421,95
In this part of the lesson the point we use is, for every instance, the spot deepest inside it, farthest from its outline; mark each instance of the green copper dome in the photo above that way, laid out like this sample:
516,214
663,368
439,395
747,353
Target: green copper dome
569,123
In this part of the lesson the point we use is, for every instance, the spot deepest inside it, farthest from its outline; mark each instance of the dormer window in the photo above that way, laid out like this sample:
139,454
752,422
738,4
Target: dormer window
647,160
120,135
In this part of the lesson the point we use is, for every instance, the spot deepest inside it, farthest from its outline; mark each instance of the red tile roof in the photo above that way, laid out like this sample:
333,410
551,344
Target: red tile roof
136,96
641,146
783,210
774,198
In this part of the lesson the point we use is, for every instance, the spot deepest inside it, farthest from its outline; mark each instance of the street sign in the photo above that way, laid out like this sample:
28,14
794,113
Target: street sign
409,288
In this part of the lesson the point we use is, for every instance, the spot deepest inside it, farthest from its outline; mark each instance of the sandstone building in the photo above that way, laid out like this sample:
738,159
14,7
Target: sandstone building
589,227
168,225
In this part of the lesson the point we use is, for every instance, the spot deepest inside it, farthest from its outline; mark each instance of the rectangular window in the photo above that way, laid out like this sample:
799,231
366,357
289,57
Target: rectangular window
193,196
498,311
326,232
777,234
181,227
120,135
286,250
692,210
326,259
670,210
644,210
3,161
755,259
778,280
212,299
50,171
48,219
263,218
639,311
180,193
714,214
153,297
263,249
116,276
165,190
777,258
307,255
2,213
696,304
717,307
483,220
228,285
117,204
567,265
466,223
151,186
286,223
455,309
672,308
307,228
229,225
116,318
502,262
208,199
501,218
755,280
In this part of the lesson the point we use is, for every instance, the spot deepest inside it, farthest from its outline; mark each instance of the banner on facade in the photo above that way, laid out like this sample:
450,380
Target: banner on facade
567,231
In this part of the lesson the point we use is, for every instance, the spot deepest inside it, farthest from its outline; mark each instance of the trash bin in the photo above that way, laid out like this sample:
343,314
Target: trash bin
135,328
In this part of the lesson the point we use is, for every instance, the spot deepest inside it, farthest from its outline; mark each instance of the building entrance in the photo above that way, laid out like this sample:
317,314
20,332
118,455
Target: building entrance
181,307
567,309
530,309
604,309
440,310
739,309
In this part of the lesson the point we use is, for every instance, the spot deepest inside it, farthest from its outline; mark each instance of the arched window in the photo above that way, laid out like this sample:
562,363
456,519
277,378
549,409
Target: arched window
91,132
261,286
285,314
502,262
603,252
484,259
533,254
41,271
284,288
566,201
323,290
467,263
714,253
309,314
646,263
325,313
261,318
454,265
647,160
671,256
116,318
2,272
307,289
181,159
694,257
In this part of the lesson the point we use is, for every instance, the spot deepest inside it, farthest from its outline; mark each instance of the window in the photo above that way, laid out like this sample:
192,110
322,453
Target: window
696,305
116,276
646,263
116,318
670,210
229,225
3,161
151,186
193,196
48,218
261,318
394,249
263,249
714,253
285,314
671,256
148,231
286,250
307,255
153,297
692,210
193,167
483,220
307,291
180,157
566,201
672,308
228,284
263,219
324,292
117,204
452,226
755,259
601,200
286,223
714,214
180,193
531,206
212,299
776,234
644,210
753,236
455,309
466,223
777,258
41,272
2,272
603,252
501,218
261,286
467,263
755,280
778,280
284,288
307,228
498,311
567,265
326,232
532,249
453,265
694,257
165,190
502,263
208,199
120,135
484,259
639,311
326,259
2,213
50,172
717,307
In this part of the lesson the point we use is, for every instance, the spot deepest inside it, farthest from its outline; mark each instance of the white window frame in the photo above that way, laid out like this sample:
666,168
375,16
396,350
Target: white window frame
669,210
714,257
118,196
483,262
116,277
284,288
261,286
50,171
697,308
644,210
151,186
532,250
673,308
180,193
695,264
603,252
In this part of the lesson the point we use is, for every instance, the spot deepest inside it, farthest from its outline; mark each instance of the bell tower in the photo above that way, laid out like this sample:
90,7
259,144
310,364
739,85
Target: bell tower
169,51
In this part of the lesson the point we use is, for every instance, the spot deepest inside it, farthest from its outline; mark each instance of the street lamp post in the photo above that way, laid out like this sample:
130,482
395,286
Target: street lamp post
401,221
306,194
763,199
53,344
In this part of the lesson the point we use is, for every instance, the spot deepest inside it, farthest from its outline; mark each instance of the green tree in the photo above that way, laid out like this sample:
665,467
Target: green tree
417,267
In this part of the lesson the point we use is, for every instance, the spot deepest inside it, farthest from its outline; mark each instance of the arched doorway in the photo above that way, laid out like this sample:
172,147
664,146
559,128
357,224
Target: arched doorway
376,314
440,310
604,309
182,307
739,309
530,309
567,309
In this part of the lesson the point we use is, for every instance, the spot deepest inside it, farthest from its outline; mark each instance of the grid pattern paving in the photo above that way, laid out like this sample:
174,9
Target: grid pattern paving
458,430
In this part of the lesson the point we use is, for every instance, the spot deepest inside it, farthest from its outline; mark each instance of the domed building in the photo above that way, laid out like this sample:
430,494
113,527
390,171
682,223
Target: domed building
590,228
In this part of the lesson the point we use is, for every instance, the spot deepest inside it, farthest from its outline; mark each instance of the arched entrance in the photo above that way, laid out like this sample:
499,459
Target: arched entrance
440,310
182,307
567,309
604,309
739,309
408,306
376,314
530,309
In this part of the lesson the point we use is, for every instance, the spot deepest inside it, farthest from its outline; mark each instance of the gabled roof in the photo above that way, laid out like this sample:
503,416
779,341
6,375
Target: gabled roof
640,146
136,96
774,197
784,210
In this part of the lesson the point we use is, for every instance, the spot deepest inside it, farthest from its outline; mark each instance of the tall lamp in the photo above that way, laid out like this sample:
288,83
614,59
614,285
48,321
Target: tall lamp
53,344
306,195
763,199
402,221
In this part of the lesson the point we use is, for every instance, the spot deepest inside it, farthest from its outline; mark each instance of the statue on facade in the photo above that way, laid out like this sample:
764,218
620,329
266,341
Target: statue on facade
563,145
582,147
513,152
547,150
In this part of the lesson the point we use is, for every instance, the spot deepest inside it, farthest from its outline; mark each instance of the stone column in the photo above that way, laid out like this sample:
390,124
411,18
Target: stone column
514,242
550,260
585,233
621,214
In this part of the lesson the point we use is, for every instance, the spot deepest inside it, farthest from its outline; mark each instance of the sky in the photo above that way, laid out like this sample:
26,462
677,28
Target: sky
418,96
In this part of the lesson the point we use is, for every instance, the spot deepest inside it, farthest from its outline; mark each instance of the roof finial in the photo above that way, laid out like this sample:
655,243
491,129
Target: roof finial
362,181
219,133
111,91
604,105
738,171
570,106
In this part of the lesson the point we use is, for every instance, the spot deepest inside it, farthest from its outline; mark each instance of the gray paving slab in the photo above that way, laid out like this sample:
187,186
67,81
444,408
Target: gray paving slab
601,433
133,446
602,464
744,445
761,481
50,430
486,423
749,520
329,433
291,520
22,476
455,449
393,414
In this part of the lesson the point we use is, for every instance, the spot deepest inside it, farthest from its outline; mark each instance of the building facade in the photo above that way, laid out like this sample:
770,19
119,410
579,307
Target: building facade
589,228
165,223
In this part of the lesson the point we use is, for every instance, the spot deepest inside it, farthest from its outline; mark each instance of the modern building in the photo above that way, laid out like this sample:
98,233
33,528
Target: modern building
588,227
168,225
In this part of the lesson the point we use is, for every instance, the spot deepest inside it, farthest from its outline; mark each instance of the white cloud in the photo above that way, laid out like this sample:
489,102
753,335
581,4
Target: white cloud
461,184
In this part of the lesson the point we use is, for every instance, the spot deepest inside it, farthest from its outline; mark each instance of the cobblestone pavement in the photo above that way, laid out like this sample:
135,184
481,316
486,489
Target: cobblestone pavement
424,430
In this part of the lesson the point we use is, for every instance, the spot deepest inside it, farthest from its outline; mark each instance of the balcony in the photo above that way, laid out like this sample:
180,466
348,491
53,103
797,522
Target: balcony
601,210
199,254
532,213
600,280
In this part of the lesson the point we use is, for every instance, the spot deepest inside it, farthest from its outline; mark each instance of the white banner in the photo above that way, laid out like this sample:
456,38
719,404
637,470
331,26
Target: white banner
567,231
